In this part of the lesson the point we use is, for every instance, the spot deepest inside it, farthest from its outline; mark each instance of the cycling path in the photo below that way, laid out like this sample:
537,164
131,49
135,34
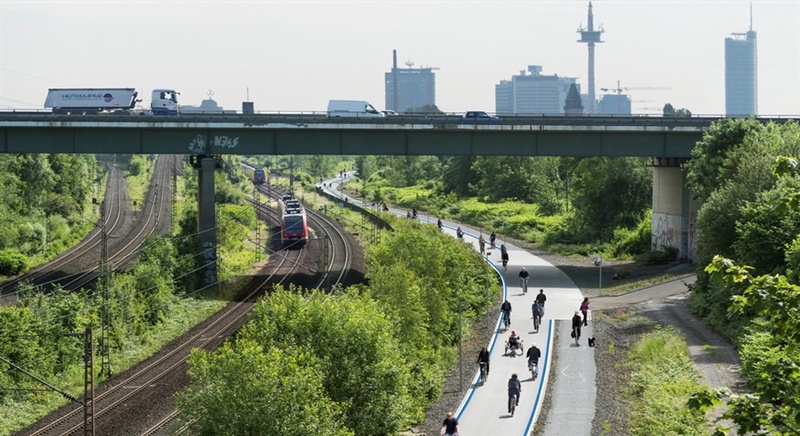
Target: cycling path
483,410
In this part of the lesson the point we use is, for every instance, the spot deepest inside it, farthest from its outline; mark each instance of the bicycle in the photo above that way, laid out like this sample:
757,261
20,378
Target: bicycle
506,320
512,403
537,320
533,367
524,285
514,348
484,373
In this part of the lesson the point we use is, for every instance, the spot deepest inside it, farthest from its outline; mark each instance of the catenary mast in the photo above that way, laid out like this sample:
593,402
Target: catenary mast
590,37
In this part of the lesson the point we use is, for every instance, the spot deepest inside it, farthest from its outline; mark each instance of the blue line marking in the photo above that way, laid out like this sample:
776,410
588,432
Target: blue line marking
542,379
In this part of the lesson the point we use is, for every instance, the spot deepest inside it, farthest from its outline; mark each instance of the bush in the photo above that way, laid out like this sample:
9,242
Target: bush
633,241
12,262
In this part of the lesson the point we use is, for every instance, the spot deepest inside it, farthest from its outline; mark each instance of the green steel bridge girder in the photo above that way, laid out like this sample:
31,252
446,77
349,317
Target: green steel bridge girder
348,141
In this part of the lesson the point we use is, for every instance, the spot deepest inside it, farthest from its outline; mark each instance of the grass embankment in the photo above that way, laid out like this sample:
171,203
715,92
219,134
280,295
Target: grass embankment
660,377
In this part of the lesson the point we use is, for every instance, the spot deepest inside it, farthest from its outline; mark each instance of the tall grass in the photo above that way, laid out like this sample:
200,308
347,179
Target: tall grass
662,378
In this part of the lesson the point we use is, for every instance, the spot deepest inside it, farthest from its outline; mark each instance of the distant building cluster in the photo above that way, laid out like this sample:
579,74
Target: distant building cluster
531,92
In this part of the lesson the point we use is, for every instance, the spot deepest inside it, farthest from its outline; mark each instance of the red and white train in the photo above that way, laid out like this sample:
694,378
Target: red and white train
294,226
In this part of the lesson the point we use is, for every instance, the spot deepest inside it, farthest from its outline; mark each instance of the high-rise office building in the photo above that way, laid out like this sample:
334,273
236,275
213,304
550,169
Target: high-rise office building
532,93
614,104
409,88
741,73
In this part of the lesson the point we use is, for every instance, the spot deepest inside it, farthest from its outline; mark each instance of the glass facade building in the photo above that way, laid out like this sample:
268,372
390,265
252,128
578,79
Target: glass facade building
741,79
410,88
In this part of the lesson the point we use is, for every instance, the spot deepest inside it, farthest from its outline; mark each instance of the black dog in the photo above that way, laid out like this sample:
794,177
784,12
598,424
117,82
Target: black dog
591,342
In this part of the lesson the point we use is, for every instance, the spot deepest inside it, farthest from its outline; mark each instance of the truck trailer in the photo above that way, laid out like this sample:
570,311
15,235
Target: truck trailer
353,108
89,101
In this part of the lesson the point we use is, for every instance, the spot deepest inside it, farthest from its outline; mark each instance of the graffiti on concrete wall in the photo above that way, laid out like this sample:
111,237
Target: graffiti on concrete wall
666,231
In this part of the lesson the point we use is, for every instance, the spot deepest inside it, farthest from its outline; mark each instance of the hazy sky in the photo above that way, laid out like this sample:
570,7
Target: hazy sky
296,55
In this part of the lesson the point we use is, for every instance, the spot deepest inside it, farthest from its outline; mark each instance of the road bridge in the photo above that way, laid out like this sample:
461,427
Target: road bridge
316,134
667,140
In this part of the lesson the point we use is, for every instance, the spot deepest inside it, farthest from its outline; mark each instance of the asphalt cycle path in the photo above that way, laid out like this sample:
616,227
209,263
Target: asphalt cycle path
483,411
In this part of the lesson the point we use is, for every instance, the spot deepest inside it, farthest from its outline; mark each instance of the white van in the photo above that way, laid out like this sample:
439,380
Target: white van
353,108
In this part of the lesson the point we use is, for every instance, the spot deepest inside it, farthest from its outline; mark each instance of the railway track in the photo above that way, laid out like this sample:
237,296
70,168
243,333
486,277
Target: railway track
125,234
141,400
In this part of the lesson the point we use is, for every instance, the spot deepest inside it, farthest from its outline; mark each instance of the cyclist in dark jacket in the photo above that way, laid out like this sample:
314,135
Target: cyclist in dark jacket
514,388
483,357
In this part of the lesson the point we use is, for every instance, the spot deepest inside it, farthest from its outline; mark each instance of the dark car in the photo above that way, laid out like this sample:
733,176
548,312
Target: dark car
479,117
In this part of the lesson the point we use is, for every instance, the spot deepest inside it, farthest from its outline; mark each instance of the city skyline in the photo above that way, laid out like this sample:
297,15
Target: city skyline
297,56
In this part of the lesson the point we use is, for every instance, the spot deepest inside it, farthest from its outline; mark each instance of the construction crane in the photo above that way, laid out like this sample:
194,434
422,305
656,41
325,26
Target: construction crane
619,89
410,65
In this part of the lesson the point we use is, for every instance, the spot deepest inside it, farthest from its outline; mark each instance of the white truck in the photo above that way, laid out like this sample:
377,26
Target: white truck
87,101
353,108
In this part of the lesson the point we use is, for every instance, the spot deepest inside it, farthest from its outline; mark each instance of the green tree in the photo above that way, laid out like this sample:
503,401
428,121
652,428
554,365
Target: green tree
360,362
426,109
609,193
769,304
669,111
458,175
321,166
713,160
247,390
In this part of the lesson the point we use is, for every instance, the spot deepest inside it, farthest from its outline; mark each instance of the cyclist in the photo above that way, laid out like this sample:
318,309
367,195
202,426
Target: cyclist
504,255
439,224
505,309
533,359
537,311
541,298
513,341
449,425
523,280
514,390
460,233
483,359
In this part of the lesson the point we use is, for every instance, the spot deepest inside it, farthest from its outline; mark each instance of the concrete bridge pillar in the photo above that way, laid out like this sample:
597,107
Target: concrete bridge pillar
206,217
674,211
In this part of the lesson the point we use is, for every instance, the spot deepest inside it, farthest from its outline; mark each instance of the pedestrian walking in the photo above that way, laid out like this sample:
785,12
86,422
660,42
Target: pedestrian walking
482,245
449,425
576,327
585,310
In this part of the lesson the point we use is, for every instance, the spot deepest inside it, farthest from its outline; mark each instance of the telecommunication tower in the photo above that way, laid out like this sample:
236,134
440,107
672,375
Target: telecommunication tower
590,37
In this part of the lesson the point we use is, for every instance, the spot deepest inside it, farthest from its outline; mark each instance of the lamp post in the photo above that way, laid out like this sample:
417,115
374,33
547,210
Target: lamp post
598,261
